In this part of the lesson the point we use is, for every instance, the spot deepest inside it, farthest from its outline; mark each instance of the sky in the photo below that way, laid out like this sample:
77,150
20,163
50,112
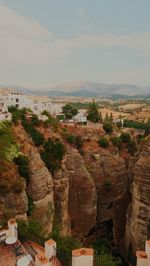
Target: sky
49,42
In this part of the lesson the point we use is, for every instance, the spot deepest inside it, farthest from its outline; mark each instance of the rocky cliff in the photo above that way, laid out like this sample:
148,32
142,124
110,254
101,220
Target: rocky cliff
82,194
91,187
40,188
138,215
109,173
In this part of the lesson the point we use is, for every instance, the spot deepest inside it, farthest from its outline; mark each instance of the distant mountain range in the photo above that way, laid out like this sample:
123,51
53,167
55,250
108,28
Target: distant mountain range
92,89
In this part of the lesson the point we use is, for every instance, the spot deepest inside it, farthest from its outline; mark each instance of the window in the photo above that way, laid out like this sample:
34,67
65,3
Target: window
17,100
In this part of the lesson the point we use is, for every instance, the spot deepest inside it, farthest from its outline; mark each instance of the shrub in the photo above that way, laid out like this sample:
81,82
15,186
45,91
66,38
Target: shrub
29,230
52,154
107,126
71,139
75,140
31,206
36,136
125,137
93,113
69,111
103,142
23,167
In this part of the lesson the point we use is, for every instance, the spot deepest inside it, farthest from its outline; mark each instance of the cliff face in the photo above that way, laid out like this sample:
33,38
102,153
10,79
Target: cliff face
82,194
110,176
88,190
40,188
61,200
13,198
138,215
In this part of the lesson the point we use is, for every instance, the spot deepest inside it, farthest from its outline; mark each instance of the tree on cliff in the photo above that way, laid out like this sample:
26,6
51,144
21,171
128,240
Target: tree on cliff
69,111
93,113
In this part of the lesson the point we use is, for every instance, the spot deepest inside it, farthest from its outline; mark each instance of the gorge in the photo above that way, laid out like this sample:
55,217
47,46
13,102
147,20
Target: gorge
93,186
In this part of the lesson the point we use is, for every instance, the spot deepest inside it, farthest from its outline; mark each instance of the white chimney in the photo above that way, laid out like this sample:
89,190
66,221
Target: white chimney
50,249
12,226
82,257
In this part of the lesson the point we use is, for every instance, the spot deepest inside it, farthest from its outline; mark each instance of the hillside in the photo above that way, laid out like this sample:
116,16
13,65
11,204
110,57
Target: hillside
91,89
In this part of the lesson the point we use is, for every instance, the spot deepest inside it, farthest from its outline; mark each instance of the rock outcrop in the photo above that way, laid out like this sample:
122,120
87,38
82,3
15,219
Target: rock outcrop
110,176
138,215
40,188
61,199
82,194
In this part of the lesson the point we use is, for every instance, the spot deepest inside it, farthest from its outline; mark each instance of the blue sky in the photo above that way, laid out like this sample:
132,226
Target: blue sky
47,42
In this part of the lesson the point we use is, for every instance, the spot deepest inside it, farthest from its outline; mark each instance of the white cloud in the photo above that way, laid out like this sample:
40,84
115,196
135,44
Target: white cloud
25,42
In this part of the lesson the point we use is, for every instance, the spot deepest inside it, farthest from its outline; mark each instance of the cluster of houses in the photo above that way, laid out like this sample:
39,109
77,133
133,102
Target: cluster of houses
38,104
11,97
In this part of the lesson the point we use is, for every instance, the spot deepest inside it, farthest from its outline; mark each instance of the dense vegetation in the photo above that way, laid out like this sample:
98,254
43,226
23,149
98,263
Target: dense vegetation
9,149
74,140
69,111
36,136
23,167
138,125
52,154
93,113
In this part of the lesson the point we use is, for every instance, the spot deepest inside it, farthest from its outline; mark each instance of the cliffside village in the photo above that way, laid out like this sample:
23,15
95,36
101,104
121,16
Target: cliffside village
38,104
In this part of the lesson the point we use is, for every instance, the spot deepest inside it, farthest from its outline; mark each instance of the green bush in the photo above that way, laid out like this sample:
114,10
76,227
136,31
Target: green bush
36,136
23,167
125,137
103,142
30,230
69,111
107,126
52,154
75,140
31,206
8,147
71,139
23,230
93,114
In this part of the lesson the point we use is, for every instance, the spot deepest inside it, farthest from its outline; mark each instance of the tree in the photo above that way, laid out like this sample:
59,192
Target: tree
93,113
107,126
52,154
103,142
125,137
69,111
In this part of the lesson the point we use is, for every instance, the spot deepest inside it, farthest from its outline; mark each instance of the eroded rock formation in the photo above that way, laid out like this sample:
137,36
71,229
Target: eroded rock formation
138,215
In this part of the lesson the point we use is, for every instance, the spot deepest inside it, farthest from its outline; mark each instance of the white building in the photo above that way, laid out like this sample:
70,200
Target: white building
5,116
81,117
12,97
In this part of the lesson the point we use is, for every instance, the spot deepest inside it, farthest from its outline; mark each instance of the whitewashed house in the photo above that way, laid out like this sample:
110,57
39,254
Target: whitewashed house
81,117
